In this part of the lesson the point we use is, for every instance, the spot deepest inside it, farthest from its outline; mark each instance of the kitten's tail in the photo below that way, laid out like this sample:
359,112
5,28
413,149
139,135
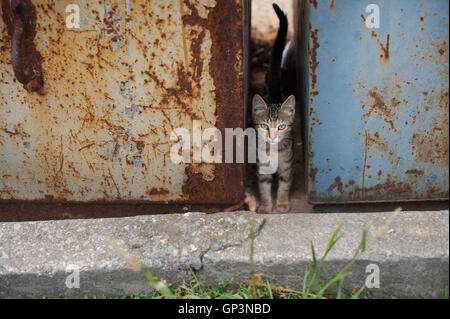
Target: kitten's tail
274,77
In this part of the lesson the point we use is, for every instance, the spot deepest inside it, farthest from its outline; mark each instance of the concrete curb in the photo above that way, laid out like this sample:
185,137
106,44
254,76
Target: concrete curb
36,258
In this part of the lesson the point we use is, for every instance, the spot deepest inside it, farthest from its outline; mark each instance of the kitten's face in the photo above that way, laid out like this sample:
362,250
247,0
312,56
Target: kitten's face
273,121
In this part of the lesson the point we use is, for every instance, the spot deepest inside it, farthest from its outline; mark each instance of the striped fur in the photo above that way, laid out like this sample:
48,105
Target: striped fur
274,124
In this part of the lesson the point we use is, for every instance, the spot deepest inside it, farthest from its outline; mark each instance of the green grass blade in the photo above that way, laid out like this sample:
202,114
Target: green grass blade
339,290
358,293
305,280
269,289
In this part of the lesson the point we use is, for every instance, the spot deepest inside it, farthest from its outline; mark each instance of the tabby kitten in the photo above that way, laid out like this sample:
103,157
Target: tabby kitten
273,118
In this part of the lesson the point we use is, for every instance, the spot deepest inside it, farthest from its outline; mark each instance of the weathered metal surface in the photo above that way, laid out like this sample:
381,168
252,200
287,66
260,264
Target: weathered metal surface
20,19
377,101
114,90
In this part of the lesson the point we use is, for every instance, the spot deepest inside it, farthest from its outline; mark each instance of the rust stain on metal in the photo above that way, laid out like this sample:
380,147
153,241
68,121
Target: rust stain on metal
337,183
415,172
157,191
384,47
366,150
312,173
376,143
432,145
395,190
226,46
377,107
183,35
19,17
314,4
313,61
379,175
422,20
395,102
439,52
332,5
443,49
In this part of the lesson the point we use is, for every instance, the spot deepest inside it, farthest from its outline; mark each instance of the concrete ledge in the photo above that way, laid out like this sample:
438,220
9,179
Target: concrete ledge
37,257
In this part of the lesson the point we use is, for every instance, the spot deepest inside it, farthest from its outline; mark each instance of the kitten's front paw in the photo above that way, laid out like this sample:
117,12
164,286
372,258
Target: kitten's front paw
283,207
264,209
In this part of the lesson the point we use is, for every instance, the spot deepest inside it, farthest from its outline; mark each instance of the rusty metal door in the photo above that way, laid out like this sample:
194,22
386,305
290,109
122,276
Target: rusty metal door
113,90
376,95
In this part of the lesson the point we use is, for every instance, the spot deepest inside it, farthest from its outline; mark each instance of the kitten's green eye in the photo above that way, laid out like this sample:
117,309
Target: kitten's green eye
281,127
264,126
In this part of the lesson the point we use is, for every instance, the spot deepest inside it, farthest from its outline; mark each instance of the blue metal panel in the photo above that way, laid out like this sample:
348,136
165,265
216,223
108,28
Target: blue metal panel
377,101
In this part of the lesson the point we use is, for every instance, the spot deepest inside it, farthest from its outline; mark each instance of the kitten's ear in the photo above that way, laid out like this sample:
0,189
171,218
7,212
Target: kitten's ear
288,106
258,104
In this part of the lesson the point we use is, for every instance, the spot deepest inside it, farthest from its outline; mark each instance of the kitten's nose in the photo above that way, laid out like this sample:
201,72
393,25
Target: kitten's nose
273,134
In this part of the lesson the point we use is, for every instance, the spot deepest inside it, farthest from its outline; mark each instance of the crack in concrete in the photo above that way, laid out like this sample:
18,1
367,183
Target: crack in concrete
256,232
